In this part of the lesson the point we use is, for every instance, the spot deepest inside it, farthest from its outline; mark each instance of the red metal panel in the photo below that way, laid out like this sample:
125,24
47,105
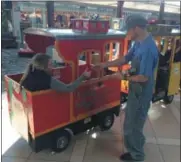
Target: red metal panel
50,110
91,98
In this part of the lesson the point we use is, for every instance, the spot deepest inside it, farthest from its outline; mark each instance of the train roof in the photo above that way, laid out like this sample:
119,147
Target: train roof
69,34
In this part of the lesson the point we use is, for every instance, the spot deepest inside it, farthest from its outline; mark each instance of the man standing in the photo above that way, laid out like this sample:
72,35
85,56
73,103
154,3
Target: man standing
144,57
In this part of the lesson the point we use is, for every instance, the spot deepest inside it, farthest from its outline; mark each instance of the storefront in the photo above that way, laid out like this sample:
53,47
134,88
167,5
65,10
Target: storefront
36,13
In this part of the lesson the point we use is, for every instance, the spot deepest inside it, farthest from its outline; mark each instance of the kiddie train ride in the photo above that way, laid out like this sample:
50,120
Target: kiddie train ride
47,119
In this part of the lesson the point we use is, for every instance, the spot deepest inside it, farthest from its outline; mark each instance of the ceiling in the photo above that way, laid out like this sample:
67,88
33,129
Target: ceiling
173,7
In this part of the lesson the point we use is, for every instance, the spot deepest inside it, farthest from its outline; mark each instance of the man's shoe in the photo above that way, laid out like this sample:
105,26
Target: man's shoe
127,157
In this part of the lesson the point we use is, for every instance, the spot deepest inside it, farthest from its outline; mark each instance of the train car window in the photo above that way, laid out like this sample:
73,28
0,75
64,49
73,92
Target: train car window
95,57
87,59
112,50
162,43
165,52
82,58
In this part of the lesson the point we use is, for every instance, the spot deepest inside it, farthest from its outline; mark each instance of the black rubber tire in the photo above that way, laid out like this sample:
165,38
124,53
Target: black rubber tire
63,135
168,99
106,121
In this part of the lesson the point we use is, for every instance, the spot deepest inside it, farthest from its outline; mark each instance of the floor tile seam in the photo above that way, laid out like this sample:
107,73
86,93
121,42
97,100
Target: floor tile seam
83,153
72,151
154,132
173,117
169,145
177,106
161,138
87,143
173,113
122,130
44,160
28,158
160,143
13,157
161,152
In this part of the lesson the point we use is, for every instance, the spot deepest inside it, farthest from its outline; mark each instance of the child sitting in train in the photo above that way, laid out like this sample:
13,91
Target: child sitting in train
37,76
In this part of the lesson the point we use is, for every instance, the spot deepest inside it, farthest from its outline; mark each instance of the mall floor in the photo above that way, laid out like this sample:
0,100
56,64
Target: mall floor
162,131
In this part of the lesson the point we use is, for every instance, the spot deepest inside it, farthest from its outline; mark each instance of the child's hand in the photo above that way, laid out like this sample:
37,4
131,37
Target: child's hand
87,73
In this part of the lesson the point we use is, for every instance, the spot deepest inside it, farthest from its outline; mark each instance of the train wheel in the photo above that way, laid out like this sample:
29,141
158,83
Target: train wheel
168,99
61,141
106,121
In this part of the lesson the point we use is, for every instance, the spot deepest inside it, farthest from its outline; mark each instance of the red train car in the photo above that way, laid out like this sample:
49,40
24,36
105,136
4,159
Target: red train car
47,119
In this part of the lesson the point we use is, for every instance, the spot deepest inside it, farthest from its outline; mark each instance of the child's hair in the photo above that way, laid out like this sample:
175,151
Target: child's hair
39,61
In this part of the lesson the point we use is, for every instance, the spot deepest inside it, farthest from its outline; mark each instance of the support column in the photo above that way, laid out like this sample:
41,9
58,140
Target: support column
120,9
161,12
50,13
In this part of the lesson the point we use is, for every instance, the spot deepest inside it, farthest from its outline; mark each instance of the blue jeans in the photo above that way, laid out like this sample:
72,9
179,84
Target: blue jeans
135,117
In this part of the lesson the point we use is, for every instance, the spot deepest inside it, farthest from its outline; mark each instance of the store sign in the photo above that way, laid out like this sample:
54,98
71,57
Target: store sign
102,9
93,9
145,14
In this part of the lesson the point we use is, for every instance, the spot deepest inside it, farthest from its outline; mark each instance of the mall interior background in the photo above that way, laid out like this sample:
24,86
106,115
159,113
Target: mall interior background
24,14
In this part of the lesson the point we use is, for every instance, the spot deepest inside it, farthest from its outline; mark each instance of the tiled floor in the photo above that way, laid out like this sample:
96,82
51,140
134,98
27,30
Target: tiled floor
162,131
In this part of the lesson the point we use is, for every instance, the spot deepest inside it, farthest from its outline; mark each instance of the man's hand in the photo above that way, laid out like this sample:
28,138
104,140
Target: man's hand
117,75
99,66
116,63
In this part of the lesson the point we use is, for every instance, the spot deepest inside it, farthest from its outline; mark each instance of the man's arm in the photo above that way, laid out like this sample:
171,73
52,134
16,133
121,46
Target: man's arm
61,87
120,61
117,62
138,78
